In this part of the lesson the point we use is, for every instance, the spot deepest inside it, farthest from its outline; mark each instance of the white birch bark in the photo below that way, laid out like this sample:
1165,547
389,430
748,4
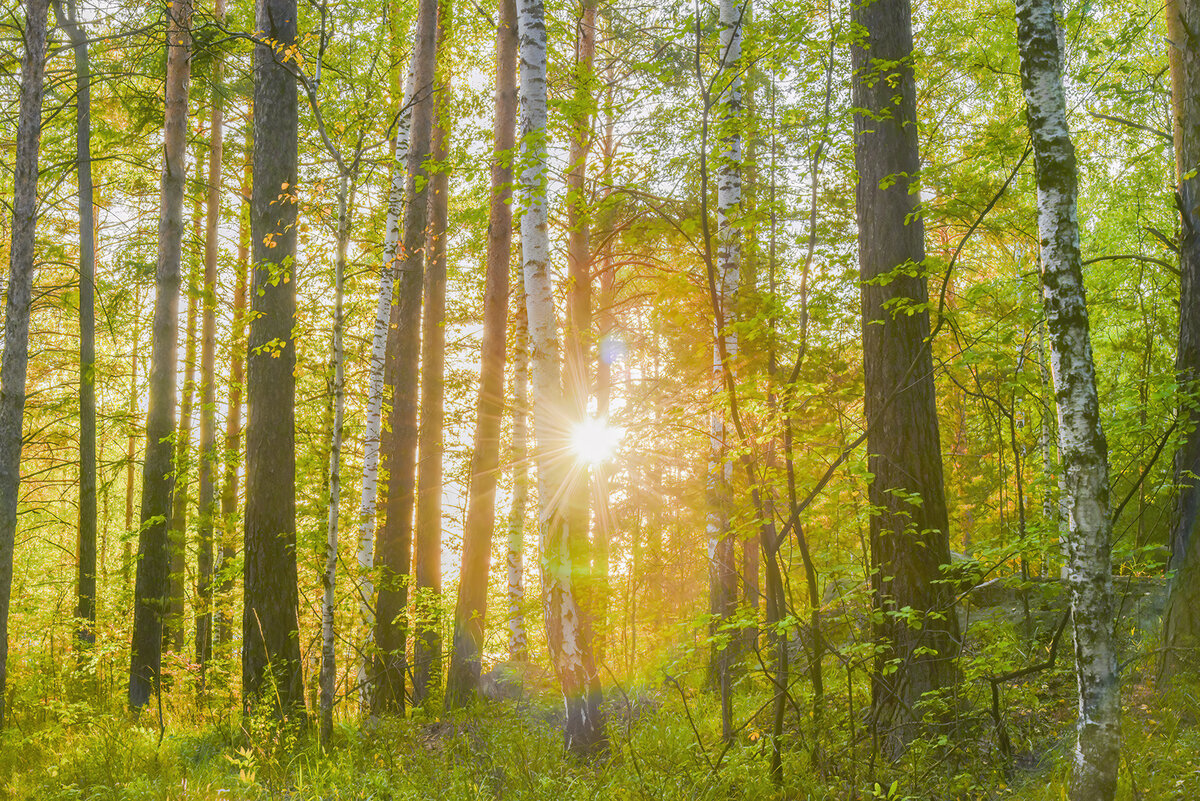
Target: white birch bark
373,425
570,651
729,198
1083,450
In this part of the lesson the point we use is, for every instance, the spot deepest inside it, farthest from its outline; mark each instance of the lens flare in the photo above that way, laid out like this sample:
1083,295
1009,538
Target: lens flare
594,441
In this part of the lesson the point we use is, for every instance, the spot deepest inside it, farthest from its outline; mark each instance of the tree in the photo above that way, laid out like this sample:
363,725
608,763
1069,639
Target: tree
85,608
394,550
376,385
909,524
206,503
567,635
1181,621
152,584
471,610
21,260
577,328
1083,449
271,668
427,561
724,288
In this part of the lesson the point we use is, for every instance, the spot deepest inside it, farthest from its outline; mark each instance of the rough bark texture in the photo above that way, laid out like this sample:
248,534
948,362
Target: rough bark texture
1181,621
427,561
85,607
271,668
206,505
400,447
1083,449
909,527
153,564
17,305
567,637
471,609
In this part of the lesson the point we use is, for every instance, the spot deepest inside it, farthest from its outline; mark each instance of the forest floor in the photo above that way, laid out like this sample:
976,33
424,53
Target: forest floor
664,745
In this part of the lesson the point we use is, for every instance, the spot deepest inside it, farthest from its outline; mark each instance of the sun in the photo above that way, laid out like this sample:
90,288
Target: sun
594,441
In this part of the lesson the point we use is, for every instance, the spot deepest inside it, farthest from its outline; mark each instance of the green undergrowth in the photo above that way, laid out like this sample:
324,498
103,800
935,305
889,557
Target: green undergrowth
57,748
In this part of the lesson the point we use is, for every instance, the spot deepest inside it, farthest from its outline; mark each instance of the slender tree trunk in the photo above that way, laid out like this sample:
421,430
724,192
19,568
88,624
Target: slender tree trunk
152,585
271,667
427,562
578,324
328,675
206,505
19,295
471,610
1181,621
1082,447
909,529
373,427
85,607
131,445
518,647
567,637
399,452
173,628
227,552
721,541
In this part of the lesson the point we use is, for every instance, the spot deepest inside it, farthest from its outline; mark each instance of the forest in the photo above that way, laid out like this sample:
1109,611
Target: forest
600,399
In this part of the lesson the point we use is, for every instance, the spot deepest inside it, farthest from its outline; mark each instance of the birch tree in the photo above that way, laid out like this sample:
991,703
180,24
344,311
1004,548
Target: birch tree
567,637
18,299
1083,449
721,550
373,424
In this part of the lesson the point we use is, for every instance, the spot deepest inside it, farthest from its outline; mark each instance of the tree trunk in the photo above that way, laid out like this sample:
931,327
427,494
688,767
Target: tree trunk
227,552
1082,447
427,562
152,585
471,610
328,675
173,627
909,531
399,452
131,445
578,324
373,426
567,637
206,505
271,668
16,312
85,607
1181,621
721,542
518,647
